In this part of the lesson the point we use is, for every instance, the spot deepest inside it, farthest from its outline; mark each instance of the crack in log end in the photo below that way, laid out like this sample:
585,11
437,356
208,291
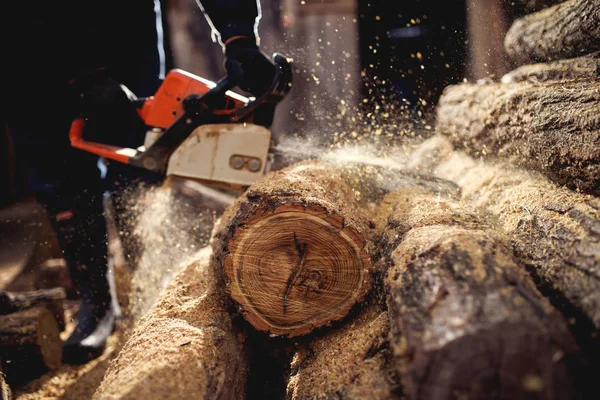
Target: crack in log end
302,249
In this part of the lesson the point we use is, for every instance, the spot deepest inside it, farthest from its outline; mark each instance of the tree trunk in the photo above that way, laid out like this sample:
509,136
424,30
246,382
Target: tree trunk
566,30
293,250
185,347
29,343
553,231
586,67
348,362
52,299
550,127
466,321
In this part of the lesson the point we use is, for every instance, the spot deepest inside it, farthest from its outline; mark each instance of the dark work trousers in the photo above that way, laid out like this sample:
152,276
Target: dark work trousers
57,41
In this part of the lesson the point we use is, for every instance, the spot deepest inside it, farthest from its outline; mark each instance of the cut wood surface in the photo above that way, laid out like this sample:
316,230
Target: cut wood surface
466,320
52,299
350,362
29,343
552,127
293,250
585,67
184,348
566,30
53,273
553,231
5,391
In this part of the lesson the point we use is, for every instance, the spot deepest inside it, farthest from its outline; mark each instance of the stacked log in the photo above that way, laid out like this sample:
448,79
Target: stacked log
564,30
544,116
29,344
185,347
293,250
351,362
466,321
553,231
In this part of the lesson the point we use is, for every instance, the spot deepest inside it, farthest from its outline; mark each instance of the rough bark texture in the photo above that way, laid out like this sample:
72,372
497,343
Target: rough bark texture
293,250
537,5
52,299
350,362
466,320
566,30
184,348
29,343
553,231
585,67
551,127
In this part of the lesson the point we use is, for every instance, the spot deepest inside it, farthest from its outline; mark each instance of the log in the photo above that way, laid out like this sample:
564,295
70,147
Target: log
466,321
565,30
349,362
52,299
29,344
549,127
293,250
185,347
553,231
586,67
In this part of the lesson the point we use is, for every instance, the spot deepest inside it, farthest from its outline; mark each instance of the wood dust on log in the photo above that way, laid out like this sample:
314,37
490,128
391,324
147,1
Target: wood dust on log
466,320
550,127
586,67
566,30
293,250
185,347
553,231
349,362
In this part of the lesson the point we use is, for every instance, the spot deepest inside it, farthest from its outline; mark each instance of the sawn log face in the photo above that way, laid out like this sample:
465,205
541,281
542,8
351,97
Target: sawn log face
292,250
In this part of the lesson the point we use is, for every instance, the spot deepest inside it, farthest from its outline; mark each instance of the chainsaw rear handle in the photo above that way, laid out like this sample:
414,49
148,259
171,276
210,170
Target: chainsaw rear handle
196,107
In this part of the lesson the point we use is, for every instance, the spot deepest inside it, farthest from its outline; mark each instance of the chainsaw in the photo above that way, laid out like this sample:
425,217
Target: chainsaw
201,130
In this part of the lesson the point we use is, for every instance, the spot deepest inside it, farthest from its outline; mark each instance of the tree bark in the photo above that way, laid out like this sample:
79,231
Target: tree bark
185,347
553,231
549,127
29,343
52,299
348,362
293,250
466,320
586,67
566,30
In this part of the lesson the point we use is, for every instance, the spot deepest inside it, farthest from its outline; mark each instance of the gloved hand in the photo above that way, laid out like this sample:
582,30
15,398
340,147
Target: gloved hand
248,66
108,106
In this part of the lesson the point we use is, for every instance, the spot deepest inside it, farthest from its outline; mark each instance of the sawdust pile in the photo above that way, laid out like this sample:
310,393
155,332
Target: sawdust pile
185,347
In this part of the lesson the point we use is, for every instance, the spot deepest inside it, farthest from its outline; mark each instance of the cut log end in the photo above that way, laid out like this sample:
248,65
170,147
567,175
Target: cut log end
311,268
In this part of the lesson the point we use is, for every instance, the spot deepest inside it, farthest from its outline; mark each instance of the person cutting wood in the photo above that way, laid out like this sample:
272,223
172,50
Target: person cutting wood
79,51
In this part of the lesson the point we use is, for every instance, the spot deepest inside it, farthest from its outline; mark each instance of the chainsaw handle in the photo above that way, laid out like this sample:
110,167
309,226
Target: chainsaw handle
119,154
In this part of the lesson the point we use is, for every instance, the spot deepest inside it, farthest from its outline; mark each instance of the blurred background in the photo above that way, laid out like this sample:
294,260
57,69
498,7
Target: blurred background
361,68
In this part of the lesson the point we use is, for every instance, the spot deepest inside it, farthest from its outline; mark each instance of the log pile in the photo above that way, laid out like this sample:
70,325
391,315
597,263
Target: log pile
543,116
451,311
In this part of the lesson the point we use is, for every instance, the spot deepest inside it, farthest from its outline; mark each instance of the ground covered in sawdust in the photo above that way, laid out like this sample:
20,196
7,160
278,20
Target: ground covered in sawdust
72,381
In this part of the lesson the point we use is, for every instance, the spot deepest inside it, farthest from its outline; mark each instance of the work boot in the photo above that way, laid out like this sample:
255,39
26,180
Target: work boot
82,236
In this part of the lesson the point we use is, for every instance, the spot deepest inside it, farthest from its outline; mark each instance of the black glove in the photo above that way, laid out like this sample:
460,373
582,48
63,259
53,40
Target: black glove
248,66
109,109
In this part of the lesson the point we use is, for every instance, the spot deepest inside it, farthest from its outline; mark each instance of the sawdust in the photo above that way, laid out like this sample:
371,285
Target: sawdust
185,347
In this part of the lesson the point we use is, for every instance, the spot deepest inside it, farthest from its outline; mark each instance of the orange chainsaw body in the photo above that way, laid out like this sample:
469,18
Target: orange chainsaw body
158,111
